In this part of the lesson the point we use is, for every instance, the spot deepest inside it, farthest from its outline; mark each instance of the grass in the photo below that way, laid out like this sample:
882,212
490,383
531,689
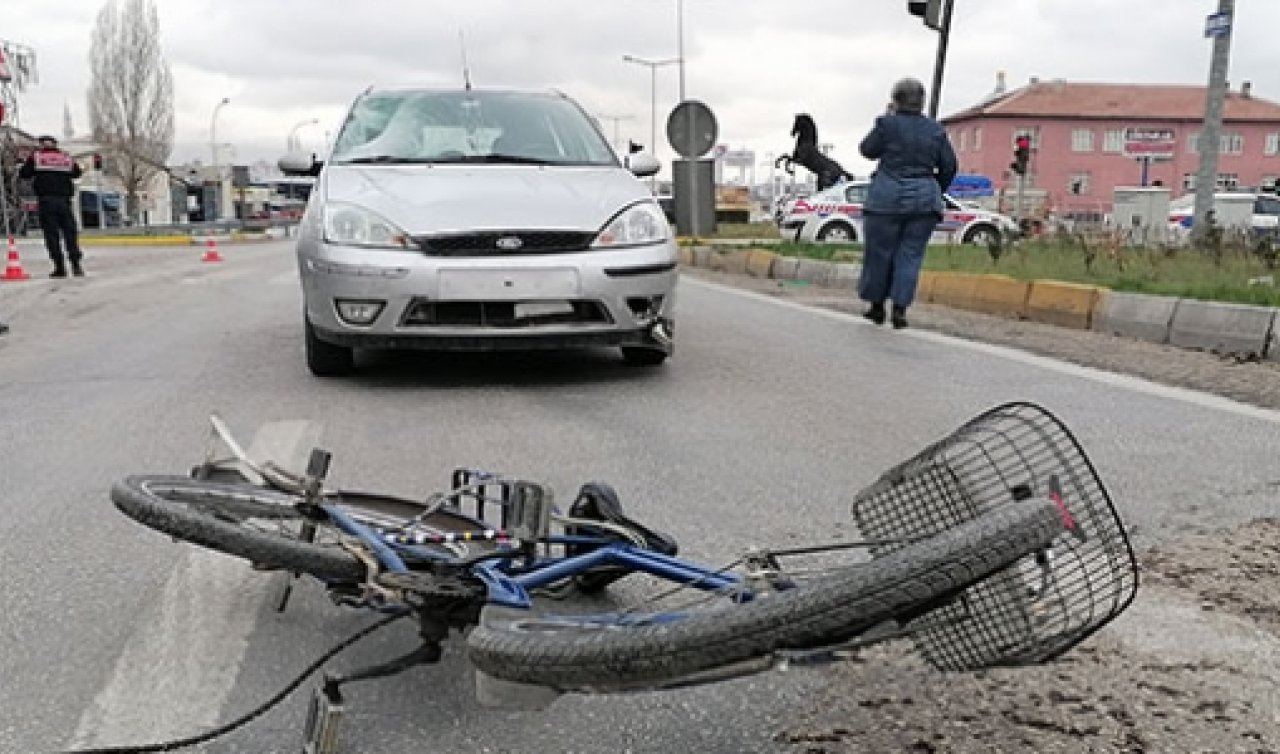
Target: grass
1184,272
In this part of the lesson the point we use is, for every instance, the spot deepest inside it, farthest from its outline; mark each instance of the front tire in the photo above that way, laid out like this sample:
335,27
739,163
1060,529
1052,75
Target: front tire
657,650
838,232
982,235
325,359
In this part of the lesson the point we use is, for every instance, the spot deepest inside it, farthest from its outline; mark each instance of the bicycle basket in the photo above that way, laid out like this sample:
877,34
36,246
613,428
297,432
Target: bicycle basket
1042,605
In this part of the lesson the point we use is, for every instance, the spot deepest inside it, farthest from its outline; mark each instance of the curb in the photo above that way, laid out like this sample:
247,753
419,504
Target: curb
1187,323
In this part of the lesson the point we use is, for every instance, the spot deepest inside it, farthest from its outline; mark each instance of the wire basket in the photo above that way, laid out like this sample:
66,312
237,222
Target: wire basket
1042,605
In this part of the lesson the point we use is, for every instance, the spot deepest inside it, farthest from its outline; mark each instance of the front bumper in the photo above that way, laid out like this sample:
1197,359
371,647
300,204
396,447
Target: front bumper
607,298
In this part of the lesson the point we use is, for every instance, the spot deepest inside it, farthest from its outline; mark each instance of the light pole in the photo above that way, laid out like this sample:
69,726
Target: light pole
291,143
653,66
213,149
680,43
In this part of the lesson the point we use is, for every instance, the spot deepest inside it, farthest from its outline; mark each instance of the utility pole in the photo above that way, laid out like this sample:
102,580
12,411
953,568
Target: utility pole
940,63
1218,26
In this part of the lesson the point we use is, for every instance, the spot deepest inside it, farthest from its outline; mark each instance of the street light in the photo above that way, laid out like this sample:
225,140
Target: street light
291,142
653,66
213,149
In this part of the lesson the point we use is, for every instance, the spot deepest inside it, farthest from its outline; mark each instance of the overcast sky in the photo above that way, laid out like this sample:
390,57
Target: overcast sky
756,63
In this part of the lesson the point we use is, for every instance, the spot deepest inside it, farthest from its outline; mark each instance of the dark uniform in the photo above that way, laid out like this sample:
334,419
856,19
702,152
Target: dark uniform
53,173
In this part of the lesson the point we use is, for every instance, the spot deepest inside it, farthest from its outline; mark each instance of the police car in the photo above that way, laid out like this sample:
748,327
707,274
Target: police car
835,216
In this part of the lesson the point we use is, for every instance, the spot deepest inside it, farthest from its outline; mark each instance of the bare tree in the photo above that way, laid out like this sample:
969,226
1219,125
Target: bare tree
131,93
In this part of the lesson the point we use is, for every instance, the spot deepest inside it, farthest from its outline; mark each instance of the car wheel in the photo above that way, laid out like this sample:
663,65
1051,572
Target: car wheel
982,235
643,356
326,359
838,232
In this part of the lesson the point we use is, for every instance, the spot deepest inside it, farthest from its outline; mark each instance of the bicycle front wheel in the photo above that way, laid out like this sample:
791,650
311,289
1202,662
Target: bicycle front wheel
598,654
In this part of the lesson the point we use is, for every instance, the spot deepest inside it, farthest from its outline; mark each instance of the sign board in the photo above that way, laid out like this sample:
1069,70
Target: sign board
691,129
1150,143
1217,25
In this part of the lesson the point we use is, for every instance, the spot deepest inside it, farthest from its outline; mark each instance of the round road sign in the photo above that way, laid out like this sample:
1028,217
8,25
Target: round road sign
691,129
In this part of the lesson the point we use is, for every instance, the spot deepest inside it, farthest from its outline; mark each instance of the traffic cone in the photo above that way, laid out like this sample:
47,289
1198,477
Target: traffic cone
211,251
13,269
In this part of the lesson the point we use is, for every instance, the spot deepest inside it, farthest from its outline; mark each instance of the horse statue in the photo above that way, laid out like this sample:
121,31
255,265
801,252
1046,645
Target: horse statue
806,154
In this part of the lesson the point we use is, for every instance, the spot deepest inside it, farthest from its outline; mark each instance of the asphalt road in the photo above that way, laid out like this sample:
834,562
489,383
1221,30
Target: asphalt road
759,431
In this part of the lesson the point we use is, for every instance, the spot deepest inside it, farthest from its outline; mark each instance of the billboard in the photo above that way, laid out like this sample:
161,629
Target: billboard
1149,143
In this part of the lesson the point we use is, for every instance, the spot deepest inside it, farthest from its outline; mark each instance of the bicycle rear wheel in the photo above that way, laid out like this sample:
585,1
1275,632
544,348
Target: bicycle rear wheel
594,653
265,526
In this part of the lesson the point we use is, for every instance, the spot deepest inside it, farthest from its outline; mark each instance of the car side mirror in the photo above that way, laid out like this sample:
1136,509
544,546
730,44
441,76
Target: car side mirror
643,164
300,164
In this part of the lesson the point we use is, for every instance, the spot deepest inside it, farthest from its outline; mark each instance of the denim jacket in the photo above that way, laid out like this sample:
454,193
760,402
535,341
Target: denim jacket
917,164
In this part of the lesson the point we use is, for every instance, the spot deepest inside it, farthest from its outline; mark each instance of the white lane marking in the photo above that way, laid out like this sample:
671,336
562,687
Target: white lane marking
176,672
1127,382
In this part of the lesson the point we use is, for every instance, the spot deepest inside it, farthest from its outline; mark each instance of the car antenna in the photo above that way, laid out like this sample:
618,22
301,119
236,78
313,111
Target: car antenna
466,72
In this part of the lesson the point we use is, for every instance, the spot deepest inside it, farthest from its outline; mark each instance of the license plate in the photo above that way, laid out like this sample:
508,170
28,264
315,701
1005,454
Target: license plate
532,309
508,285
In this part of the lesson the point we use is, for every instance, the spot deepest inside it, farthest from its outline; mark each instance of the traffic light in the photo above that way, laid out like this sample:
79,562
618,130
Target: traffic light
1021,153
930,11
97,161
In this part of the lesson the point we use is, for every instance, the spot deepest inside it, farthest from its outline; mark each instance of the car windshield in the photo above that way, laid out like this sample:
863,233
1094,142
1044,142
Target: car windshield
469,127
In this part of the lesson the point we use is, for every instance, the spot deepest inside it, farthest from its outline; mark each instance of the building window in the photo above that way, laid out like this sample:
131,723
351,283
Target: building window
977,138
1193,143
1082,140
1228,181
1188,181
1078,184
1268,182
1231,144
963,136
1113,141
1273,144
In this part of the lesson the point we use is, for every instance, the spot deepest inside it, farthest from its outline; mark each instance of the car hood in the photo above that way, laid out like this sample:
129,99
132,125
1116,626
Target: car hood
424,199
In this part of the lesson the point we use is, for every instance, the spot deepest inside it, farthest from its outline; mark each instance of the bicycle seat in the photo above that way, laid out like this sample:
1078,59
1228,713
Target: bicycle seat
597,501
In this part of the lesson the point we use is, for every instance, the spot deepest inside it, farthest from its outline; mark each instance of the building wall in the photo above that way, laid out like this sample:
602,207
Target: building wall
984,146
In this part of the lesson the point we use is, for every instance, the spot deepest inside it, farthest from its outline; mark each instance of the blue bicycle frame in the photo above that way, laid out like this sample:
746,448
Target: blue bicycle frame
512,589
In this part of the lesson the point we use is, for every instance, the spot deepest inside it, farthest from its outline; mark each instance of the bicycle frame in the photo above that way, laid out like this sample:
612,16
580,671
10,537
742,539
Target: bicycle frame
511,589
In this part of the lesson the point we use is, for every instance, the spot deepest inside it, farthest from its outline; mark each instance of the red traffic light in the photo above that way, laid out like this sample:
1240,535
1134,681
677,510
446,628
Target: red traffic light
1022,142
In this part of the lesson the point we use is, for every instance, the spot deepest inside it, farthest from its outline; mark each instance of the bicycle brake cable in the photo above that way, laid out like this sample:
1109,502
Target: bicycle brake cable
222,730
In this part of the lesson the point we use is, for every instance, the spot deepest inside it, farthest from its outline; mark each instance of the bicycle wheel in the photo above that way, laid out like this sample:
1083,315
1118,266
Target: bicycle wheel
597,654
265,527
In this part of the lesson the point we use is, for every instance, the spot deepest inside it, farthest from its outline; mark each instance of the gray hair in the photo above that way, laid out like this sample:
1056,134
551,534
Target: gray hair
908,96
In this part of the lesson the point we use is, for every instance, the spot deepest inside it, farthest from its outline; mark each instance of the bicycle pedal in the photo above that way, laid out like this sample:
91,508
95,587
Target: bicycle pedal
320,735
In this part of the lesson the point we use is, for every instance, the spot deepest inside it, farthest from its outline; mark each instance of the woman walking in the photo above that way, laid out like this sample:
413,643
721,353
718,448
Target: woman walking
904,202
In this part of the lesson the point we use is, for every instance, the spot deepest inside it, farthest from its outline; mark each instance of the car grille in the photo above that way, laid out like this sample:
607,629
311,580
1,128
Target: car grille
499,314
503,243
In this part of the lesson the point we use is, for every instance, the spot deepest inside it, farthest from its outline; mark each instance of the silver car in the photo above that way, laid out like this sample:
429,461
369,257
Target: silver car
480,220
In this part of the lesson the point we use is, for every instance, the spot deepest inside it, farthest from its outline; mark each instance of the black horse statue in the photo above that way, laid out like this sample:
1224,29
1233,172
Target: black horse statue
806,154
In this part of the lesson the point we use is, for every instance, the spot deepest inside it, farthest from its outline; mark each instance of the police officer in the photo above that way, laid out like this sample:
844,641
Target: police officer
53,173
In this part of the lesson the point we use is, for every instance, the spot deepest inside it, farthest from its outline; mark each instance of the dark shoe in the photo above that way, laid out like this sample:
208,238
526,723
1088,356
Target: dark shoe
875,313
77,270
3,328
899,318
58,273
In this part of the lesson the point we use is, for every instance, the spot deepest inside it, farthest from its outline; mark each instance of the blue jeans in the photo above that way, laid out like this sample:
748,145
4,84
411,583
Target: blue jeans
895,247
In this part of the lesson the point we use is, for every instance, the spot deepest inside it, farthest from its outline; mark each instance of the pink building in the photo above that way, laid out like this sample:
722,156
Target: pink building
1078,139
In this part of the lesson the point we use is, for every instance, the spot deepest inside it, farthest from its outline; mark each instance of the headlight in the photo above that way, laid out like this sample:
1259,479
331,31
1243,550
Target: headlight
350,225
636,225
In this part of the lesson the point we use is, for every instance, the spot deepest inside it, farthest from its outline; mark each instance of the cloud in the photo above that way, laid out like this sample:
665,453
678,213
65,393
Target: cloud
755,62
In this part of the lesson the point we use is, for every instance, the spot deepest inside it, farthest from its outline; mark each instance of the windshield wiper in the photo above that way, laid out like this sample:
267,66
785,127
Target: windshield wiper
384,159
513,159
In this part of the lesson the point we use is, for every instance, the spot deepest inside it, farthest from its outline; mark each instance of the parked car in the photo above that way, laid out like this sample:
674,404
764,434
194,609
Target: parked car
480,220
1266,210
835,216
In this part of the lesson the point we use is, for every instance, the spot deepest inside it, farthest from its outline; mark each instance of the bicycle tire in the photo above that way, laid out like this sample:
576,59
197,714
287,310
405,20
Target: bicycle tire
836,608
164,503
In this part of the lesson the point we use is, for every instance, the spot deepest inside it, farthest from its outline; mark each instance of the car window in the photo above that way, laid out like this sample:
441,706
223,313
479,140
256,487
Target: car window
856,194
470,127
1267,205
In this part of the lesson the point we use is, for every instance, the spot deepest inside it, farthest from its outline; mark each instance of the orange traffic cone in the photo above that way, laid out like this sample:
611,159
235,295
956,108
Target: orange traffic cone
13,269
211,251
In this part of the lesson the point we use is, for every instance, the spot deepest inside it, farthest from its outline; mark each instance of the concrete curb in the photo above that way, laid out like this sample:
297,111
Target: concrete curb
1001,295
1187,323
1222,328
1066,304
1135,315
